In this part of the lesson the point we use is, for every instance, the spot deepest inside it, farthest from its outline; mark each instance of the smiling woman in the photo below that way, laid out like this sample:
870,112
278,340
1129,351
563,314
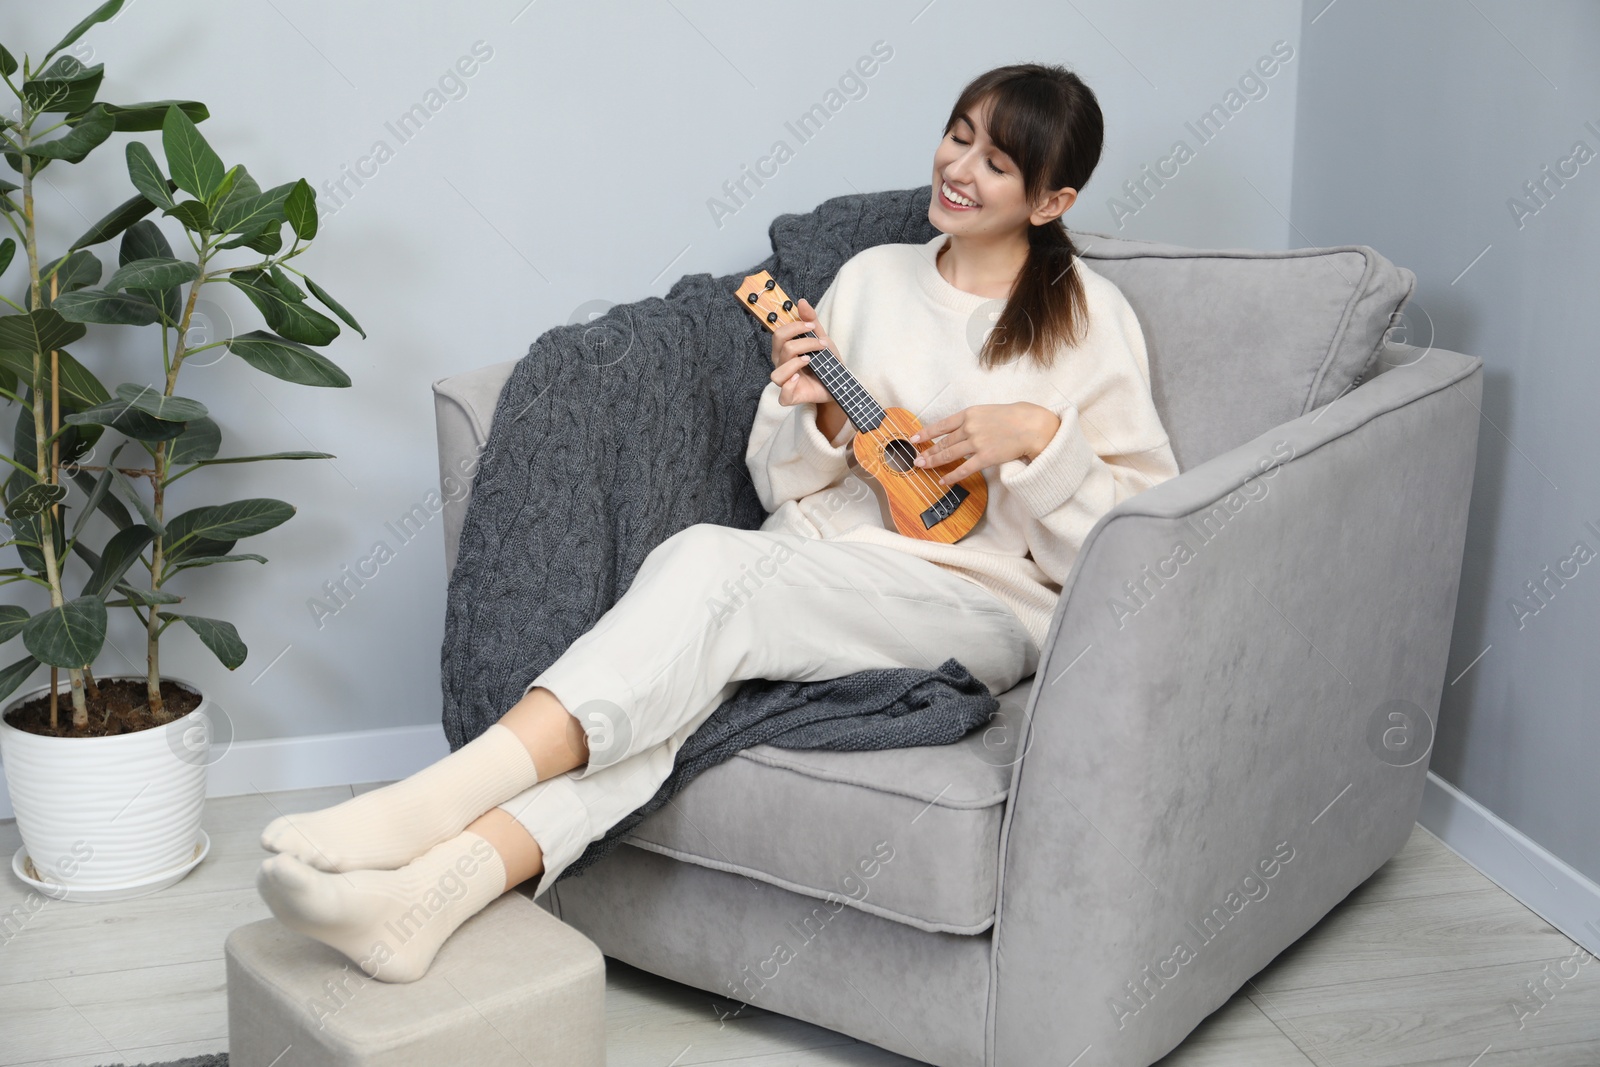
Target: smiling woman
788,601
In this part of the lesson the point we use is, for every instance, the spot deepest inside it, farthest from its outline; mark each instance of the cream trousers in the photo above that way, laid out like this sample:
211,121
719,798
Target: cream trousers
713,606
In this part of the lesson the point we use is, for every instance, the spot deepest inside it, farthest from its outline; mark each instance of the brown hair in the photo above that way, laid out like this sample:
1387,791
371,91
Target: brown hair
1048,121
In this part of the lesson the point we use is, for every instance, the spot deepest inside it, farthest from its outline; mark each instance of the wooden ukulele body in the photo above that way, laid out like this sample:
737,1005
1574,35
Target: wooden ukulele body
886,455
919,505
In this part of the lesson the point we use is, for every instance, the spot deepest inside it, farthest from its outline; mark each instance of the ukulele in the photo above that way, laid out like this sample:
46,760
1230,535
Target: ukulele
920,506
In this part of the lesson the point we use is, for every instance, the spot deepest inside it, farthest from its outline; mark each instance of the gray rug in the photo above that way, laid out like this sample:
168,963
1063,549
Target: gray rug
216,1059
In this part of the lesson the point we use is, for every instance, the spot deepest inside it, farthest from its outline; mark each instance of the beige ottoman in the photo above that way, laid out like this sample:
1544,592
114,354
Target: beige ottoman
514,985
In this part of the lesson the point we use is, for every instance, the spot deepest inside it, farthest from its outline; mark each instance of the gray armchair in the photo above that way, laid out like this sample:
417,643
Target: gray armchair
1228,730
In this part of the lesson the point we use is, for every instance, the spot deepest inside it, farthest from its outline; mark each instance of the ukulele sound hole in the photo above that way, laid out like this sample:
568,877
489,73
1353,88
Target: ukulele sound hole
900,455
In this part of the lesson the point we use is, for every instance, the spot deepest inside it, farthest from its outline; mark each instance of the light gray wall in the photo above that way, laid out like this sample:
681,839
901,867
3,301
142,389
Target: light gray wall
1420,126
579,165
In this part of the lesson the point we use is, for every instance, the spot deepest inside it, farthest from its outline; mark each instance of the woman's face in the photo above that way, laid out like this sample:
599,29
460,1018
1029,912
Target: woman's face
988,180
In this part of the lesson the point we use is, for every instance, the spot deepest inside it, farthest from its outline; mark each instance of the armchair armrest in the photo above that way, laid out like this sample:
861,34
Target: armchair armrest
463,409
1209,759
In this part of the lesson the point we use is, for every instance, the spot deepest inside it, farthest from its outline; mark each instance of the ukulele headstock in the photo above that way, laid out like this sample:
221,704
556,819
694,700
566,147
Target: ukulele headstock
766,300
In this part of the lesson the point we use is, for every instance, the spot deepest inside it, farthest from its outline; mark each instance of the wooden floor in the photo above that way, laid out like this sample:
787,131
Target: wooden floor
1422,965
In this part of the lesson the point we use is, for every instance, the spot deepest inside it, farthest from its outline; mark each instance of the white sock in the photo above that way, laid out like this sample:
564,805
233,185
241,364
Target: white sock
389,923
386,827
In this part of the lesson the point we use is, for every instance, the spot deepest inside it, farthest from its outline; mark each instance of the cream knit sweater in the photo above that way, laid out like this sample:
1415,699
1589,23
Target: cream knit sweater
912,338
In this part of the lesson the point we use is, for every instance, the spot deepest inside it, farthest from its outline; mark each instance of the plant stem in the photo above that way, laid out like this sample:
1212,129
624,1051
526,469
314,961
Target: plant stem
55,463
47,539
154,626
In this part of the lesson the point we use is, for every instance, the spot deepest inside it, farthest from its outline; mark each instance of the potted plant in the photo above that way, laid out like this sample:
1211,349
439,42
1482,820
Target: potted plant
108,800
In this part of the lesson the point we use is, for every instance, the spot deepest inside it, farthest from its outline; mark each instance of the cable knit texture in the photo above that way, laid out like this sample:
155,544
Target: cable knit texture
912,339
612,435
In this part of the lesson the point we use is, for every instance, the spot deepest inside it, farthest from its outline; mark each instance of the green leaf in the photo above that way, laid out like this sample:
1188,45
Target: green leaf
244,187
252,214
97,494
286,360
66,85
146,175
99,14
146,597
194,166
14,675
95,489
334,306
34,500
206,561
199,442
121,416
144,240
97,305
87,134
8,248
220,637
192,213
223,523
77,442
39,330
122,552
8,62
286,285
121,217
268,455
12,620
78,270
289,319
28,539
149,115
87,553
223,187
268,242
79,387
127,489
150,400
154,273
301,210
69,636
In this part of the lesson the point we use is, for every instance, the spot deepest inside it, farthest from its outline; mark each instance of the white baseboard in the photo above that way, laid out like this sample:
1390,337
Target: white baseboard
318,760
1549,888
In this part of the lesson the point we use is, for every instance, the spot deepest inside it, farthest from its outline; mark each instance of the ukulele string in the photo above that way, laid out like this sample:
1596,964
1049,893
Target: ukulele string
913,474
918,477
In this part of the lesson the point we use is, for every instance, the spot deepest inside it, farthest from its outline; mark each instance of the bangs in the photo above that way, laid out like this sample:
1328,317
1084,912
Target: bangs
1026,121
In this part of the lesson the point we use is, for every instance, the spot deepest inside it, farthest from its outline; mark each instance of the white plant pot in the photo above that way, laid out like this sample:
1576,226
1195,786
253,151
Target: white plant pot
108,818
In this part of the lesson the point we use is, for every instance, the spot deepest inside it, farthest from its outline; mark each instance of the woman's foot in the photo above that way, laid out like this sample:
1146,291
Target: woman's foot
389,923
387,827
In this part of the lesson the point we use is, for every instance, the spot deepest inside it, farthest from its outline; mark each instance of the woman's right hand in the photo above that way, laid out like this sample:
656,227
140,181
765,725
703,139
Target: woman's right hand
791,354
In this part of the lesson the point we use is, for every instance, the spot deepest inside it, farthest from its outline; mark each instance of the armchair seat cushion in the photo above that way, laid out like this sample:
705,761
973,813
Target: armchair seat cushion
909,834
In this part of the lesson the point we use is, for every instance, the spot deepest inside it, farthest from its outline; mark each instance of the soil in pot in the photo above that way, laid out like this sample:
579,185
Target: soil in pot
122,708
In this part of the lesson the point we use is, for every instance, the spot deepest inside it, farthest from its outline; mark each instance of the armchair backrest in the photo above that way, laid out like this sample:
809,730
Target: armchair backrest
1241,340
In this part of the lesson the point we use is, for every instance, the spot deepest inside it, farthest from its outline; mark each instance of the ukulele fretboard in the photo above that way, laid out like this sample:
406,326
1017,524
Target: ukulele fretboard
858,405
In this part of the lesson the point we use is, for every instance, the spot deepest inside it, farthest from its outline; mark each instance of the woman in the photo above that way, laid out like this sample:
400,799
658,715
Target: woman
1053,406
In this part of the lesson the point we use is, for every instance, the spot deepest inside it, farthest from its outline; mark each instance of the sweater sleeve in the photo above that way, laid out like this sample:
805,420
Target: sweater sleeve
788,456
1109,446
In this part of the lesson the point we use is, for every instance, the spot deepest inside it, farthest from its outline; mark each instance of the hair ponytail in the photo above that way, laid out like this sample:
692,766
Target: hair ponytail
1049,122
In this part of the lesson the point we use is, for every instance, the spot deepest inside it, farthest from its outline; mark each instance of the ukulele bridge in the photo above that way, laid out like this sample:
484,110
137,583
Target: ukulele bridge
944,507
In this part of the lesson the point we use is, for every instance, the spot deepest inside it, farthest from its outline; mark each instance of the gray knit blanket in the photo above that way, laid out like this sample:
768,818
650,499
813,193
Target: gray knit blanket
611,436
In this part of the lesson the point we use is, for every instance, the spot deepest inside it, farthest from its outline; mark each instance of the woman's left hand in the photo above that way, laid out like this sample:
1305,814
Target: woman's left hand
985,435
